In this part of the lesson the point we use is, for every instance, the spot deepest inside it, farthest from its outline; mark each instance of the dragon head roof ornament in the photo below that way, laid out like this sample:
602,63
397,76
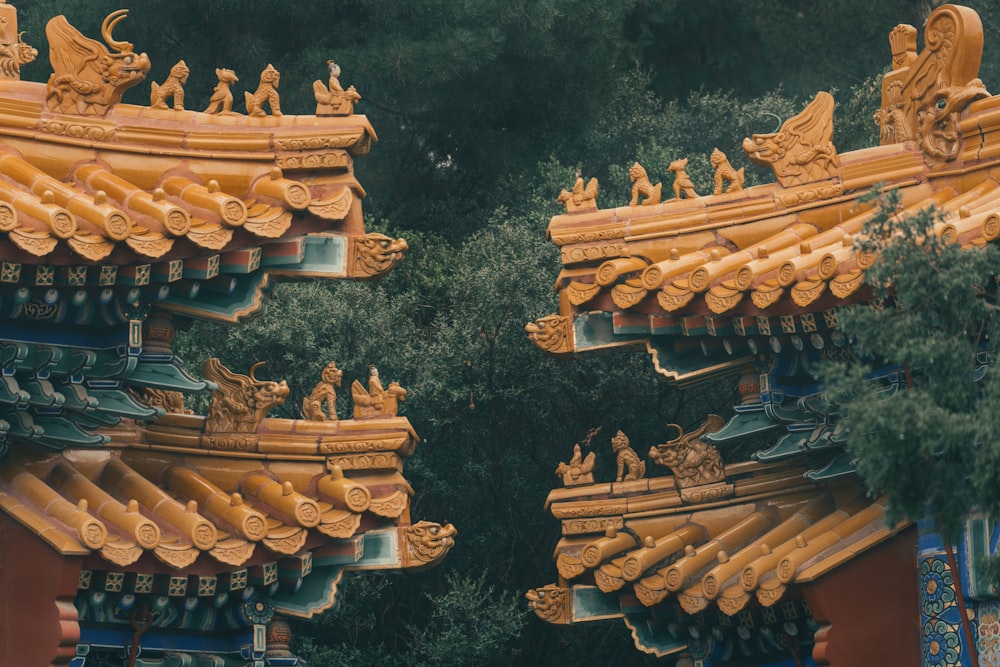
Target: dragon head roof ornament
87,78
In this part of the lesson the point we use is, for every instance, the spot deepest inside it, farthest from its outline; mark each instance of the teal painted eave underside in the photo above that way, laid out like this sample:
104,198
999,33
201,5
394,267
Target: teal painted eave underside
56,397
323,256
596,330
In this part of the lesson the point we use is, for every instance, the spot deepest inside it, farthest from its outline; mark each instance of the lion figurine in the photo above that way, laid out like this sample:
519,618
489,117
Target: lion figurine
641,186
682,182
172,87
630,466
324,392
724,172
267,93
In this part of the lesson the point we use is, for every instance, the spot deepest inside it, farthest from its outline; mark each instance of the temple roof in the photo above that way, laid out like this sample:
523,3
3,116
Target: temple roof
196,212
736,546
169,497
698,278
747,282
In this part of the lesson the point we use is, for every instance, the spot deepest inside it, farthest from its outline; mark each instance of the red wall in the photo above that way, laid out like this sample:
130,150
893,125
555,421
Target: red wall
869,608
38,622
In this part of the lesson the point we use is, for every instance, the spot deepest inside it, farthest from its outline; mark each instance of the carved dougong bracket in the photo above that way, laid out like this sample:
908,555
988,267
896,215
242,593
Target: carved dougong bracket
241,402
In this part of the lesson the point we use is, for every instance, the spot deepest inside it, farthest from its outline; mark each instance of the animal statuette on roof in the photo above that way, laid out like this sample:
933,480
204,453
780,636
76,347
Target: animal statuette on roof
13,52
241,401
642,187
630,466
802,151
87,78
376,401
221,101
692,461
332,99
266,93
581,197
325,391
172,87
682,182
724,173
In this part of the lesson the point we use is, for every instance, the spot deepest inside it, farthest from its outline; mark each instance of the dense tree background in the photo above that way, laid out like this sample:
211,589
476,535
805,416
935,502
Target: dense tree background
484,110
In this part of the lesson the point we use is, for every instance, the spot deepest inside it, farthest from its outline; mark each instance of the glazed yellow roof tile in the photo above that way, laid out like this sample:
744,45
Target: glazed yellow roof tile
789,247
729,554
181,502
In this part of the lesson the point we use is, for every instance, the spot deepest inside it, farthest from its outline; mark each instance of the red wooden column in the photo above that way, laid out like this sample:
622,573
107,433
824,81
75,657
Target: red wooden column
38,621
869,608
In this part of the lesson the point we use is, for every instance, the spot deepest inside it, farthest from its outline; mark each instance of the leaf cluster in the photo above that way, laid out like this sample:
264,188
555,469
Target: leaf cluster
928,440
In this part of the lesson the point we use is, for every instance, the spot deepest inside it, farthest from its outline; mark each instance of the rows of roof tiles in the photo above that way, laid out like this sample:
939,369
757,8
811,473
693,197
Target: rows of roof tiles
727,555
800,259
124,504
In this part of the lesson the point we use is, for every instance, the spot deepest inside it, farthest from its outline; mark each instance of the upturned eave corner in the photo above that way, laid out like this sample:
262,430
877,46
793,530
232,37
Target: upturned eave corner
746,284
115,219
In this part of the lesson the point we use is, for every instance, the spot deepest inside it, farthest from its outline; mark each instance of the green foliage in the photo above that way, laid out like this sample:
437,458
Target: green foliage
467,97
931,446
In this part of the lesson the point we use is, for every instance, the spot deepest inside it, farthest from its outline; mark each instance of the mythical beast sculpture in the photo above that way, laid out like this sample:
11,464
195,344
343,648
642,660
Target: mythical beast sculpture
692,461
375,254
240,403
87,78
923,96
801,151
427,542
13,52
172,87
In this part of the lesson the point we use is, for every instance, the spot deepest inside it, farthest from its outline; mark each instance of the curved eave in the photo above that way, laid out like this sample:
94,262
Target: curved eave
701,281
710,557
221,512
